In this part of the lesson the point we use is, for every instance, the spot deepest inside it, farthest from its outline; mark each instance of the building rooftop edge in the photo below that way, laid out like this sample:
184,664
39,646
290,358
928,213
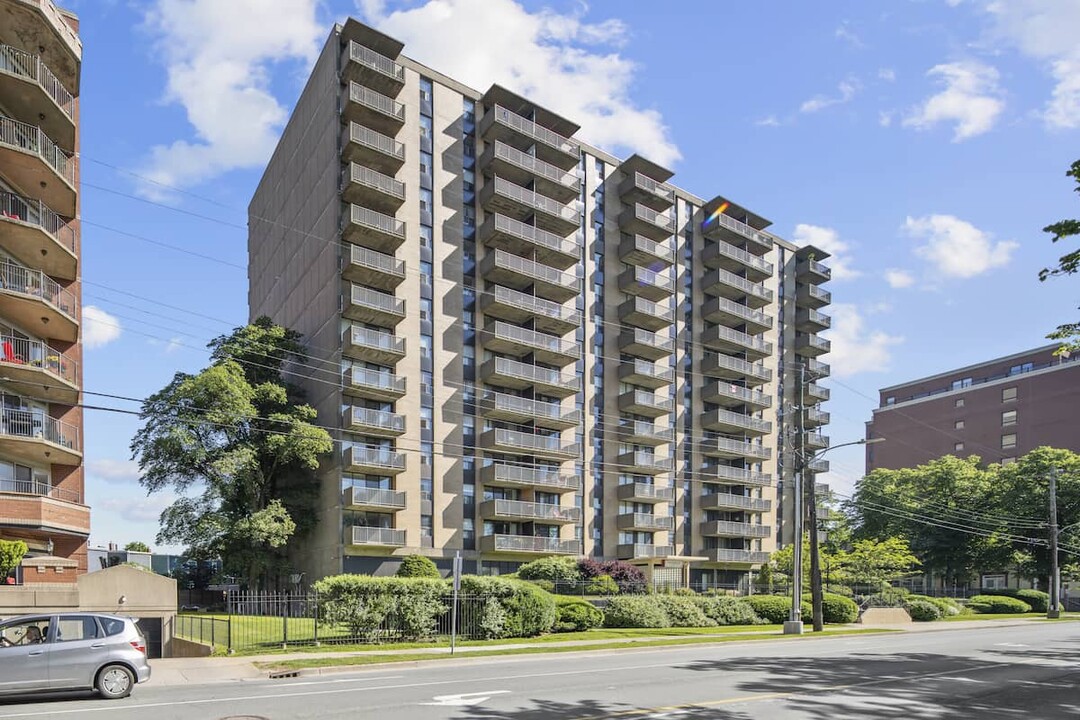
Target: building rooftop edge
975,366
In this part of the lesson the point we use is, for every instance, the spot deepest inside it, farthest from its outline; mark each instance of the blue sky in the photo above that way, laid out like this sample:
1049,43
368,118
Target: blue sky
923,142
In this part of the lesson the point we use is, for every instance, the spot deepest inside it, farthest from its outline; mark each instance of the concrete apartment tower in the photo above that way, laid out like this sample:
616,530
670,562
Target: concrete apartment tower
41,472
528,346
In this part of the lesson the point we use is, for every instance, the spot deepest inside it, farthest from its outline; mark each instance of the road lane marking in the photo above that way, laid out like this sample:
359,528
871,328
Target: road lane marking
462,699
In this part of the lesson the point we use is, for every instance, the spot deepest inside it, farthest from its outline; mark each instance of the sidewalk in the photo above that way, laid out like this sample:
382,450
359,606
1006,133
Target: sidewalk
181,671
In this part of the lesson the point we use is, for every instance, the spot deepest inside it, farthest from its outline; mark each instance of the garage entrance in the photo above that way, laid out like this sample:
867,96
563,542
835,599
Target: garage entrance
151,630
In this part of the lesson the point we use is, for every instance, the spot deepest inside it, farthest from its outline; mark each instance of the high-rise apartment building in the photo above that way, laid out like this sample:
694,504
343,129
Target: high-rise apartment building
526,345
41,473
999,410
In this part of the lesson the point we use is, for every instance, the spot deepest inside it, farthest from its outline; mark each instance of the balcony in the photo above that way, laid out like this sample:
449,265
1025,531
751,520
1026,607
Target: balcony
372,189
732,368
727,421
39,507
43,22
643,551
529,544
32,300
729,501
641,432
638,188
642,462
520,342
644,522
32,160
640,220
729,312
524,476
728,395
518,511
375,384
725,339
817,392
377,423
727,284
34,90
40,238
373,149
518,307
364,65
375,346
502,196
815,417
811,271
815,441
640,250
817,369
645,493
372,229
371,306
517,442
373,268
511,408
523,169
646,374
737,557
733,448
372,460
811,345
726,228
372,109
521,273
365,498
729,475
505,233
820,466
812,296
36,438
38,370
386,537
644,313
646,283
643,343
643,402
811,321
515,374
499,123
726,528
736,260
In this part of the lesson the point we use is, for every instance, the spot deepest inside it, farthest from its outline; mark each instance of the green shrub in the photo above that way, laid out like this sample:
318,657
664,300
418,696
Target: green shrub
635,611
557,569
1037,599
367,605
923,611
947,607
776,609
418,566
838,609
574,615
683,611
997,605
530,611
524,610
601,585
545,585
11,554
725,610
887,597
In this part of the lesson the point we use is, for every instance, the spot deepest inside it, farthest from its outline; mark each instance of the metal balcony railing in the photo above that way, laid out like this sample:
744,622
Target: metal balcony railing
36,354
652,370
535,305
532,269
644,337
376,101
566,245
654,187
645,520
376,141
536,201
529,407
663,493
526,475
530,510
644,397
377,536
22,64
529,543
377,497
375,260
644,550
24,281
534,165
648,307
643,428
41,489
367,217
646,459
751,342
35,212
361,175
376,379
817,391
739,447
23,136
535,374
649,277
653,217
36,425
817,293
376,340
726,389
532,338
736,475
377,300
740,420
719,247
739,283
743,229
367,417
373,456
648,246
379,63
746,557
738,365
532,441
537,132
736,529
818,343
722,304
741,502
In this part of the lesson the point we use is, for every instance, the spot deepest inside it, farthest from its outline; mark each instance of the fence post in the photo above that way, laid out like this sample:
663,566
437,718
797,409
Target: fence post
315,615
285,623
228,629
213,638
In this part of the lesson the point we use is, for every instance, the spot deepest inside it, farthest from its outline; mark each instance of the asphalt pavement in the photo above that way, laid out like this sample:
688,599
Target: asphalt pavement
1024,671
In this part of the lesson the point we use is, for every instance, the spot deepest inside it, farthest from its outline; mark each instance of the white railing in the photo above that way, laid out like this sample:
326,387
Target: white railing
366,257
649,246
736,529
748,557
654,186
371,59
374,496
648,369
642,428
742,229
816,391
23,64
361,175
648,307
644,276
534,339
729,278
535,305
376,379
377,536
376,141
738,310
643,550
530,510
741,502
751,342
646,491
538,132
643,458
648,399
644,337
24,281
816,342
532,373
36,354
530,233
532,441
525,475
373,456
719,247
376,101
35,212
534,165
659,219
728,417
818,294
376,340
383,419
36,425
726,389
377,221
645,520
41,489
535,200
740,447
22,136
737,365
377,300
736,475
533,269
528,543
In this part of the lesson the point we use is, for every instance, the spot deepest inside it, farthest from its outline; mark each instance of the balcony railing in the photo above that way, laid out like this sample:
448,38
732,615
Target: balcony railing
737,337
377,300
501,223
725,249
736,309
375,260
377,221
734,475
537,132
662,312
659,219
744,557
738,502
24,281
36,425
535,374
736,392
533,339
529,544
726,221
816,293
532,269
36,354
535,305
648,369
379,63
377,536
536,201
530,510
644,550
646,429
376,141
534,442
361,175
35,212
378,419
376,497
376,101
737,365
727,417
23,64
23,136
535,165
645,459
32,487
529,407
527,475
648,399
645,521
817,391
374,456
720,275
388,382
375,340
644,276
637,336
736,447
647,246
735,529
645,491
659,189
814,342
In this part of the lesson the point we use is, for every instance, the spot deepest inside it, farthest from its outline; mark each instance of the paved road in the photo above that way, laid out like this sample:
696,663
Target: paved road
987,673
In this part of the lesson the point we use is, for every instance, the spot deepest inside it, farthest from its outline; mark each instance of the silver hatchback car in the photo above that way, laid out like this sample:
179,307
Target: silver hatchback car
72,651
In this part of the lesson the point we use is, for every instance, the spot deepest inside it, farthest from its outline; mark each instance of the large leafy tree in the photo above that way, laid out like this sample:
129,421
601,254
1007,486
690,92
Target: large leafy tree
238,447
1068,264
873,564
137,546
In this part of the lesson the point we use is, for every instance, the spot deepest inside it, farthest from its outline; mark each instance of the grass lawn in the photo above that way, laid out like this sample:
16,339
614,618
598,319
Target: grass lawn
1009,616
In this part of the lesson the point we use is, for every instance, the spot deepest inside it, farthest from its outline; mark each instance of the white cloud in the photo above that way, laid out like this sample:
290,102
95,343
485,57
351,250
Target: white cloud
886,74
218,57
856,349
846,90
769,121
828,240
99,327
899,278
956,248
885,118
137,509
971,99
560,61
844,32
1046,31
114,471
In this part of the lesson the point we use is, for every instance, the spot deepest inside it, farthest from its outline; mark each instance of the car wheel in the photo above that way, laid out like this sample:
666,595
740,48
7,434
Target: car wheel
115,682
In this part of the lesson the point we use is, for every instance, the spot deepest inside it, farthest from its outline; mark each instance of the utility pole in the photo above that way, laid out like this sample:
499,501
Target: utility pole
794,625
816,597
1054,610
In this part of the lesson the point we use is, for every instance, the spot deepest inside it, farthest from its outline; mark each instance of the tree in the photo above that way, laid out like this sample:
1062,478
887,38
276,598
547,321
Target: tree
11,554
875,563
418,566
1068,264
237,446
137,546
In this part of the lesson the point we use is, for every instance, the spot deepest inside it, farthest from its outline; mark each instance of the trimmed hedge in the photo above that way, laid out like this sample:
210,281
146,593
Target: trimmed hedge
923,611
601,585
947,607
683,611
997,605
574,615
776,609
1037,599
838,609
363,604
635,611
418,566
554,569
512,608
724,610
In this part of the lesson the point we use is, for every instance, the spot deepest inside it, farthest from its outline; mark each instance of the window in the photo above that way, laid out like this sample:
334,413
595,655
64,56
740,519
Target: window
426,200
425,236
24,632
1008,418
890,400
958,425
962,383
1017,369
1008,441
958,446
425,346
959,402
425,308
72,628
425,163
425,127
1008,394
1008,460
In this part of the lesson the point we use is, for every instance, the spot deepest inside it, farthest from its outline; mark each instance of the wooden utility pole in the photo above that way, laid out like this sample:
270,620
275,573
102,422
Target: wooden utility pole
1053,609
